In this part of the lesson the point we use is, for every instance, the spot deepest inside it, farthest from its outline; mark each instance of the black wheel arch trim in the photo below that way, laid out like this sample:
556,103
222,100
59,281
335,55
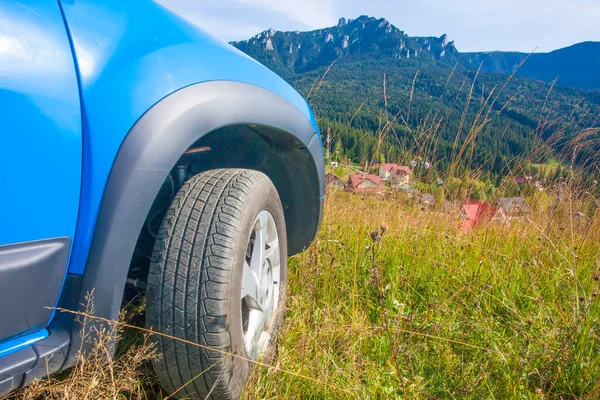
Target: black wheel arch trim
149,152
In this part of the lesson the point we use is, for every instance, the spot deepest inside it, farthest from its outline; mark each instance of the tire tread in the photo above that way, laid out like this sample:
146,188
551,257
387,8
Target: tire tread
193,249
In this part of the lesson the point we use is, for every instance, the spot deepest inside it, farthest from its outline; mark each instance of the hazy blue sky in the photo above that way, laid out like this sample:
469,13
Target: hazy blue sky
473,24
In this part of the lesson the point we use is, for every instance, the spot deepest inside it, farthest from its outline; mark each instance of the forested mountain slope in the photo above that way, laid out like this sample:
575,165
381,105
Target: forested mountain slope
436,102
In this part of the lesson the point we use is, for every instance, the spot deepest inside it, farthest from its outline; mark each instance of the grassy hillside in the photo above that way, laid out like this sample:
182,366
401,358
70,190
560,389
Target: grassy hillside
419,310
392,301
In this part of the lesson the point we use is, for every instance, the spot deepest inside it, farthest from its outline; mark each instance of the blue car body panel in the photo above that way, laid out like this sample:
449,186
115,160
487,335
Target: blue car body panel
40,131
40,154
130,55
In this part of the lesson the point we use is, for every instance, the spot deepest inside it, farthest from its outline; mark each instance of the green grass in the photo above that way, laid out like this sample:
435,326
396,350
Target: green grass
393,301
547,168
429,312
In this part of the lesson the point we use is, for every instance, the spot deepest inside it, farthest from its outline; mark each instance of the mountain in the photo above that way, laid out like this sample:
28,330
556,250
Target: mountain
575,66
427,98
290,53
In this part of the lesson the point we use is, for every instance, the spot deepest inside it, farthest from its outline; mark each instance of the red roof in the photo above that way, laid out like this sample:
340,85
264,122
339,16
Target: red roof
475,211
356,179
405,169
521,180
330,177
396,168
389,167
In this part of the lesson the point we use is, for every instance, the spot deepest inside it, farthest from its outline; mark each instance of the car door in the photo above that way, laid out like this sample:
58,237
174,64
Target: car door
40,164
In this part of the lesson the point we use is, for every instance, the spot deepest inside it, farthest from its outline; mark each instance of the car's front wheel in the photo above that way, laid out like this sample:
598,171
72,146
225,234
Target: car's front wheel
217,278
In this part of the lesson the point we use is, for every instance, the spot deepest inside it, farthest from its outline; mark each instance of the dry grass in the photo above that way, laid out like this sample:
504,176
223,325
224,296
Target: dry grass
392,301
100,374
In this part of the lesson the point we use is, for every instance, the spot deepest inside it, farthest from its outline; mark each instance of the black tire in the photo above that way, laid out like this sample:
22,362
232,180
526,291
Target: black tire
194,283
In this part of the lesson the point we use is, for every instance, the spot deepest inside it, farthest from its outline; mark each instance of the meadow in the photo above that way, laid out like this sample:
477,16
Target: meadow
392,301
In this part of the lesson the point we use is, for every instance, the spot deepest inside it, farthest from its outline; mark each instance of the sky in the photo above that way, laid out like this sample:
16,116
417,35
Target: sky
474,25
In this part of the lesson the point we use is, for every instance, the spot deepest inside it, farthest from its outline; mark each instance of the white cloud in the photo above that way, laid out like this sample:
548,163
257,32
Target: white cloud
313,14
223,28
240,19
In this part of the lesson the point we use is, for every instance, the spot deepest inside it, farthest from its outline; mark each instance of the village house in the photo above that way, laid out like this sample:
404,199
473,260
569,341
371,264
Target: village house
427,200
522,180
363,183
529,180
334,182
514,207
451,206
401,177
386,170
539,186
396,174
474,213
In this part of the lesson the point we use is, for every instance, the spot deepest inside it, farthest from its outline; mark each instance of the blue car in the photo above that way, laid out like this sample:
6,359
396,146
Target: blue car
137,150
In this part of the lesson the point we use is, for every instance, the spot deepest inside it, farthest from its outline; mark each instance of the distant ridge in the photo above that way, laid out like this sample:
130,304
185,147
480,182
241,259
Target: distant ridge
291,53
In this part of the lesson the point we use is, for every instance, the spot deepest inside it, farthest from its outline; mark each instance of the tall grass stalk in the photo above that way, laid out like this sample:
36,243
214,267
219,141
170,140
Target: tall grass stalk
421,310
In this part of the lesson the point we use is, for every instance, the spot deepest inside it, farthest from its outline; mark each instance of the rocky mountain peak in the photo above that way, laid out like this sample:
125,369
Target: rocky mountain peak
444,40
364,36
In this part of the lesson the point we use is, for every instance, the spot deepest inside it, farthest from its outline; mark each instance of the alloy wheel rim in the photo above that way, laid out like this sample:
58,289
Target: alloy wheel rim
260,285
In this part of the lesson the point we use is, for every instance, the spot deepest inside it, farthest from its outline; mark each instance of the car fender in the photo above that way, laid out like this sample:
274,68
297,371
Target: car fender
148,154
130,55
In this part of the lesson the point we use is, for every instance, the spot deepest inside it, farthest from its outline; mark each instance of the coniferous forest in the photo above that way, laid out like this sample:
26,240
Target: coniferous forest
386,96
